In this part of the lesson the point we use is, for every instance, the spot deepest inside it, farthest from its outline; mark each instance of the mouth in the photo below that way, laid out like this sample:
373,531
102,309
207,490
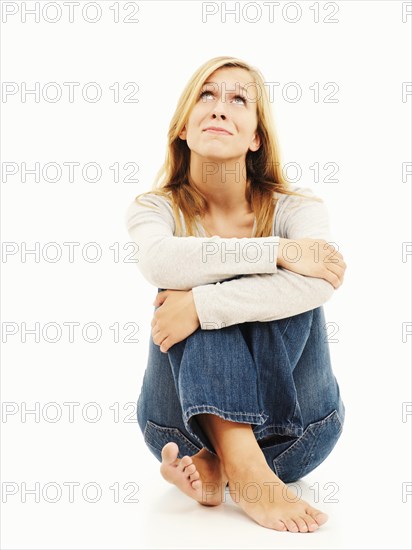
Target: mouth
216,130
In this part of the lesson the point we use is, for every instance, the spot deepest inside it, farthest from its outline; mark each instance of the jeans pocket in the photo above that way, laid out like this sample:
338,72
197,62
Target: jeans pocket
310,450
157,436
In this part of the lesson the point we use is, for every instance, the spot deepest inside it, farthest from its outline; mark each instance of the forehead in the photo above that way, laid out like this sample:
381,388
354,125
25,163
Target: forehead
232,78
231,74
236,73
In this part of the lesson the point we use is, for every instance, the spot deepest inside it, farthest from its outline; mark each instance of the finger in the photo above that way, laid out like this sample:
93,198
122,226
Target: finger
333,279
338,270
333,256
158,337
335,268
164,346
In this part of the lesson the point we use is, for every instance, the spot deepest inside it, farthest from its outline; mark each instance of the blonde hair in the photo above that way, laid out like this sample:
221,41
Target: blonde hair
263,168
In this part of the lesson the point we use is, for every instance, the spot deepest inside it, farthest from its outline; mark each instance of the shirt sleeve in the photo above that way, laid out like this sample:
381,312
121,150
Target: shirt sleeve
268,297
181,263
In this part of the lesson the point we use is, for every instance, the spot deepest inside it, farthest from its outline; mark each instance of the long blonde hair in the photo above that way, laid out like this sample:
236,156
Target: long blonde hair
263,168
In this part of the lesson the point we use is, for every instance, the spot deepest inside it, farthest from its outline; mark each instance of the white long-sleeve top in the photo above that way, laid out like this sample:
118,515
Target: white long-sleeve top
232,280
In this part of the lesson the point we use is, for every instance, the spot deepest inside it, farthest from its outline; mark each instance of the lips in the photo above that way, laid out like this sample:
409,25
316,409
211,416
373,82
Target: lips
217,130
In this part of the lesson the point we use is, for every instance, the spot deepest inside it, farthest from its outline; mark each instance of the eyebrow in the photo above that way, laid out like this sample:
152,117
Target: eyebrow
241,87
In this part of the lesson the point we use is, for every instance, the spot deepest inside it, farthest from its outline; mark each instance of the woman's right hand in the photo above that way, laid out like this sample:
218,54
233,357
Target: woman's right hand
312,257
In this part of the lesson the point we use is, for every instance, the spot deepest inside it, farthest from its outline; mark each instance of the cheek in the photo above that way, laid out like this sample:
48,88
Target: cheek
249,126
198,112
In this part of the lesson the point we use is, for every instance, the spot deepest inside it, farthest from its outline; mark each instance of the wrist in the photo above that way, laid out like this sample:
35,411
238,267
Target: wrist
193,307
279,259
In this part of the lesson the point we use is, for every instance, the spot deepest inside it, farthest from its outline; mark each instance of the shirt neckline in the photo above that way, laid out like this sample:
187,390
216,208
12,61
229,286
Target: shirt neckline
202,230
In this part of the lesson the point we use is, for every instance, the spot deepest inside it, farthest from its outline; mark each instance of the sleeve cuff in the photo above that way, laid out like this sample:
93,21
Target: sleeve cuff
203,297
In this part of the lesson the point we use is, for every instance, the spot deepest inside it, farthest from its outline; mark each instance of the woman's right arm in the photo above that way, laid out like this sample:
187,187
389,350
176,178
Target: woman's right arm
181,263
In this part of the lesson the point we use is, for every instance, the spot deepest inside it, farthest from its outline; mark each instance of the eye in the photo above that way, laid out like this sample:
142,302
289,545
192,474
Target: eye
205,92
240,97
243,99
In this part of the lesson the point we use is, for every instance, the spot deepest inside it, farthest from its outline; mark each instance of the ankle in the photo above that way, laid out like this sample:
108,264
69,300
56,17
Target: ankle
244,464
204,453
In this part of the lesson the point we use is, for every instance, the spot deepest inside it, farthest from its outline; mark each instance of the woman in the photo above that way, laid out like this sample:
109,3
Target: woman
238,391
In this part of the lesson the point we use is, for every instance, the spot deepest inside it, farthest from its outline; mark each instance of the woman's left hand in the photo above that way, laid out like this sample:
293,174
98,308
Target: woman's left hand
175,320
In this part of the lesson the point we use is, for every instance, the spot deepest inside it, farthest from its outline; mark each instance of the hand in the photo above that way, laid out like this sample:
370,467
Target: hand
175,319
312,257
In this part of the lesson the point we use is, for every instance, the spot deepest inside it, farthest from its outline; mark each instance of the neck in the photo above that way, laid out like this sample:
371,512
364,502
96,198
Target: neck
223,183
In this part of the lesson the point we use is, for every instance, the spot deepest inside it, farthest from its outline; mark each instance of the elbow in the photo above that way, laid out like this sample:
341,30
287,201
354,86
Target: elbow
159,277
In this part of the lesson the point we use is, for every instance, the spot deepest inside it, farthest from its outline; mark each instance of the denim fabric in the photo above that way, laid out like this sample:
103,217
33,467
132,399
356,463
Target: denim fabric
274,375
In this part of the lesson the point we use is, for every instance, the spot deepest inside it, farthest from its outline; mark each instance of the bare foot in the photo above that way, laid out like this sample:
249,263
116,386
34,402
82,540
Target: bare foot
269,502
200,476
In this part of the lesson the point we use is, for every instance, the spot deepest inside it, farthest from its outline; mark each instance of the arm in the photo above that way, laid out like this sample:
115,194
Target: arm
181,263
258,298
267,297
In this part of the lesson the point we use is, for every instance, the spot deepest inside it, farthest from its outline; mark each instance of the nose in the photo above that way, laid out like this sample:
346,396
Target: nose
219,110
219,115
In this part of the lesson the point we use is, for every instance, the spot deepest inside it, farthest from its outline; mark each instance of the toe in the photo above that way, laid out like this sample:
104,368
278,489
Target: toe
191,469
311,523
186,461
197,484
291,525
279,525
194,476
302,525
170,452
321,518
317,515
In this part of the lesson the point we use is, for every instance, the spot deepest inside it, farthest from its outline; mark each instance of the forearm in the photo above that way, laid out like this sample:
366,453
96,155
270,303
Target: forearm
181,263
258,298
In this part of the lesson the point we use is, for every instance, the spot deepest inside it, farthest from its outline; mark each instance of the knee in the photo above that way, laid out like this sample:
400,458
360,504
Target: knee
298,325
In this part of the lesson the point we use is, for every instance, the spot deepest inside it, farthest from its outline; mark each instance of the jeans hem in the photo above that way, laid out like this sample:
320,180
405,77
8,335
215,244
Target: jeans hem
292,431
246,418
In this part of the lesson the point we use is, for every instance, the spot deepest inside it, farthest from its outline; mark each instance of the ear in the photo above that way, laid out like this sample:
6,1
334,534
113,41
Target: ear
182,134
255,144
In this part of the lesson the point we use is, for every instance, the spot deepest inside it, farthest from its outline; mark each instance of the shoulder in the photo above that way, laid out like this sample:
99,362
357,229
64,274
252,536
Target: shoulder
298,217
285,200
149,205
307,202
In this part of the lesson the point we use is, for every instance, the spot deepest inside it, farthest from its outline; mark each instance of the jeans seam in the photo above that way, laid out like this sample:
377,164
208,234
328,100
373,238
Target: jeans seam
261,417
248,418
166,430
286,327
279,429
309,429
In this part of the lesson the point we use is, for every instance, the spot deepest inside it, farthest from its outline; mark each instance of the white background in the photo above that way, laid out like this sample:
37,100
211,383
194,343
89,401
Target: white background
366,133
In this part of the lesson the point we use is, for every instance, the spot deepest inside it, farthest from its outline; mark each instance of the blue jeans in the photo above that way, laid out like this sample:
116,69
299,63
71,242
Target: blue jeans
274,375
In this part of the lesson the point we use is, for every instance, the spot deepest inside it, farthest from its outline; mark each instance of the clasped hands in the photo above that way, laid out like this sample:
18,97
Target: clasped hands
175,319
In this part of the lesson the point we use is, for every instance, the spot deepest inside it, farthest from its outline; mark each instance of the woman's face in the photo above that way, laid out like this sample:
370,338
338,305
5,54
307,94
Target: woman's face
222,103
